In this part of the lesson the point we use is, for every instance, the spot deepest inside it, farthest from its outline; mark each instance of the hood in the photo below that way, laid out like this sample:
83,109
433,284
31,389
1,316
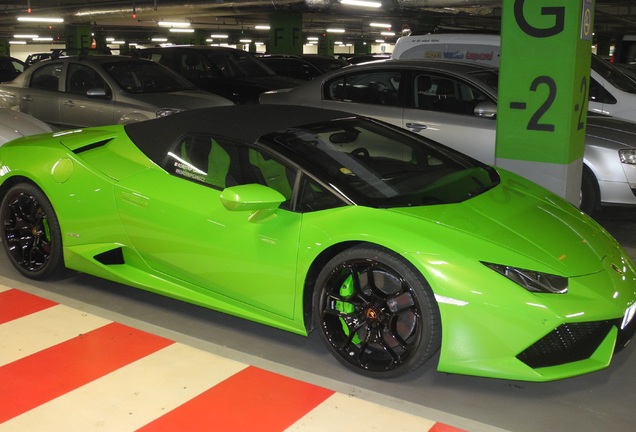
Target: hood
612,129
187,99
522,224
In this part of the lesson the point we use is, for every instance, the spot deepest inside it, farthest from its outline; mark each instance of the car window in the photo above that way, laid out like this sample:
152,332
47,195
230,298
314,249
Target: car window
46,77
143,76
599,94
237,64
191,65
81,78
613,75
387,167
376,88
219,163
436,93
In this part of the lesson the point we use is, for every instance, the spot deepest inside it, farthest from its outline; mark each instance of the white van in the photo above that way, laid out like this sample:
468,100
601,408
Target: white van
478,48
612,92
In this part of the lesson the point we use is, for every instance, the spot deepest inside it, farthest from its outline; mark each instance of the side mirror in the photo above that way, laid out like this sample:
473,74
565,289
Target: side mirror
261,201
96,92
486,109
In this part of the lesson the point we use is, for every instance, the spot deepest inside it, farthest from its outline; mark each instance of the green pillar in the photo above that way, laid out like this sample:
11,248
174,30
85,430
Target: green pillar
196,38
326,44
286,34
78,37
362,47
543,91
5,47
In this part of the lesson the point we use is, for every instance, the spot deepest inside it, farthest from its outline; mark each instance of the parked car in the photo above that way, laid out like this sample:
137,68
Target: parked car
291,66
14,124
231,73
391,246
10,68
101,90
455,103
612,91
324,62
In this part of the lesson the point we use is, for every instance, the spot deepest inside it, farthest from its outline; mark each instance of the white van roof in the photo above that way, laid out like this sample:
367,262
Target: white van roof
478,48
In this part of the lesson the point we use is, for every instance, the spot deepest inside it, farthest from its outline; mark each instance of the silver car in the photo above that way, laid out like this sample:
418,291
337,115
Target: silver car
15,124
101,90
456,104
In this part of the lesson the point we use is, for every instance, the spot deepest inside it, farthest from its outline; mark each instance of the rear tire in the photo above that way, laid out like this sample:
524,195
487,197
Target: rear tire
31,232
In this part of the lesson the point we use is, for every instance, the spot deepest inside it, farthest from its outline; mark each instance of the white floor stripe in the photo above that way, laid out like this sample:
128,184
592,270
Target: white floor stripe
132,396
347,413
32,333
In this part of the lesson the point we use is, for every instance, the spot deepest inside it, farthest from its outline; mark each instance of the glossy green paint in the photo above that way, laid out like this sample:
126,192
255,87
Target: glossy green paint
180,239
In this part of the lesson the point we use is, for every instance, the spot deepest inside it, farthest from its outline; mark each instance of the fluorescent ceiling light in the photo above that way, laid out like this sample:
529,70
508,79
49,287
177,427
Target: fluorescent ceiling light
379,40
17,42
219,36
361,3
387,33
40,19
378,24
43,39
335,30
181,30
262,27
312,38
173,24
117,42
245,41
158,39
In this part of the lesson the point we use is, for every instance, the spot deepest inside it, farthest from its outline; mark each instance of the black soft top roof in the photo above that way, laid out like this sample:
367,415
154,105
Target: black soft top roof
245,123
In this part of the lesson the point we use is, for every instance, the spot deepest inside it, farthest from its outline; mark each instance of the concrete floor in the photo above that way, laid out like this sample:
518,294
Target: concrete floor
599,401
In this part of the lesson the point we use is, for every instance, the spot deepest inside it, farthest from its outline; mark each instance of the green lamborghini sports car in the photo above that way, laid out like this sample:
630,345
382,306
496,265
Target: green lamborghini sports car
394,248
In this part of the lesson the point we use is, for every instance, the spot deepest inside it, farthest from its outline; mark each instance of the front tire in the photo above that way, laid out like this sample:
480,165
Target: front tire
31,232
589,192
375,313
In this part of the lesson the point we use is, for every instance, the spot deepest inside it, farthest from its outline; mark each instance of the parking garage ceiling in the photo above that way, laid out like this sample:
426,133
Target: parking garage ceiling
137,20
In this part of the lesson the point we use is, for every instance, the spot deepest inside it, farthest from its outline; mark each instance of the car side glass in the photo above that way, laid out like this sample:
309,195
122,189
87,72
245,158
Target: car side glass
46,77
599,94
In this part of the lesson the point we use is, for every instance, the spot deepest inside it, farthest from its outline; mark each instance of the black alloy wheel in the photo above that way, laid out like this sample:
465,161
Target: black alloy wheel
375,313
31,232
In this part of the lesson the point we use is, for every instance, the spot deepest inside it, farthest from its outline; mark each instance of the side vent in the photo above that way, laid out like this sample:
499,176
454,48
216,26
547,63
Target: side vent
91,146
111,257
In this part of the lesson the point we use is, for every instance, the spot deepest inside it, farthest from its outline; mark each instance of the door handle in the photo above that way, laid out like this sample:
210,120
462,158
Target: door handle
416,127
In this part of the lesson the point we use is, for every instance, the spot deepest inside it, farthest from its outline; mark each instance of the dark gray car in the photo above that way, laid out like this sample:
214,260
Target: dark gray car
229,72
101,90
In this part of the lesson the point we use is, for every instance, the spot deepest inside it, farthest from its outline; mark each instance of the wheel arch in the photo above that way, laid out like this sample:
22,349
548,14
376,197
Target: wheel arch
321,260
12,181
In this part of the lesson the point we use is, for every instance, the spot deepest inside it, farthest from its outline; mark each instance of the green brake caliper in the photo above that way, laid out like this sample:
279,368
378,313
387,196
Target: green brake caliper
346,291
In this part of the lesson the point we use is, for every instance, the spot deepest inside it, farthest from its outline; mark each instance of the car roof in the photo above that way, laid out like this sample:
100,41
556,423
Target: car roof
445,65
246,123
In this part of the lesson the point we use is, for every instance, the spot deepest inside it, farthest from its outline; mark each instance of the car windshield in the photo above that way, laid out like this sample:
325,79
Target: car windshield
143,76
613,75
238,64
387,167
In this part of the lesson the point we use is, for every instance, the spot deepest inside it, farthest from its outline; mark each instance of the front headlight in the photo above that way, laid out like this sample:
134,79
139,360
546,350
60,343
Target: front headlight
532,281
164,112
628,156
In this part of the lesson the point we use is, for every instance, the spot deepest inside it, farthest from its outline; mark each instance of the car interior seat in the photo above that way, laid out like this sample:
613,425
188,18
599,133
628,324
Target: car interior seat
272,173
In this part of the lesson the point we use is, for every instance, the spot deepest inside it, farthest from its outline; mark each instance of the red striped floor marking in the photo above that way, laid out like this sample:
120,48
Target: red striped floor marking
15,304
250,400
52,372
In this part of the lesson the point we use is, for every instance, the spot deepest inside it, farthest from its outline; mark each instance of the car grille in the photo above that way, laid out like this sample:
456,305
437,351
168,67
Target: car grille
567,343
